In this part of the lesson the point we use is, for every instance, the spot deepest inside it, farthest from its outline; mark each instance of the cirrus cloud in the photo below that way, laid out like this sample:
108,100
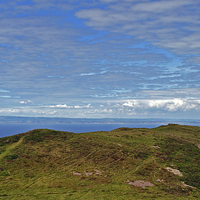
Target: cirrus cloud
168,24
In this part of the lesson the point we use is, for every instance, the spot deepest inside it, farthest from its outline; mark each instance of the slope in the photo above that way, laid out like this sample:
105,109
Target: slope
121,164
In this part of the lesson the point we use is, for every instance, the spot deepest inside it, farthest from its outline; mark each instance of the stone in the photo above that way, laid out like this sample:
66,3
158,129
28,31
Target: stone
174,171
142,184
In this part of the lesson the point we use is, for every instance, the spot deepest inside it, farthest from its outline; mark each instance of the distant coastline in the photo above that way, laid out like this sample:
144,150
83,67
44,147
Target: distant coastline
16,119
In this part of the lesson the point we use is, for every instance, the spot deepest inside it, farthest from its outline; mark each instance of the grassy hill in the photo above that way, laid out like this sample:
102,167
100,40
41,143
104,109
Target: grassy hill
125,163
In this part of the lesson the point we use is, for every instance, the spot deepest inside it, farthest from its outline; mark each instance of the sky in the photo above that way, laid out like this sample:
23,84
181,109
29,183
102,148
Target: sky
100,58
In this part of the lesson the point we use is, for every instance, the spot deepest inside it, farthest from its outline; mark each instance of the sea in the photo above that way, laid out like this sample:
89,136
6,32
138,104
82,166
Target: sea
9,129
10,125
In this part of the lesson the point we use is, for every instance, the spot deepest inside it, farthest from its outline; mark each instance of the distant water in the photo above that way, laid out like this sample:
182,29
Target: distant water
8,129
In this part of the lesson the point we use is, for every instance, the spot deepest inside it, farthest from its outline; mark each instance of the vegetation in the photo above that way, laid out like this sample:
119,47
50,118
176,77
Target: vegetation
49,164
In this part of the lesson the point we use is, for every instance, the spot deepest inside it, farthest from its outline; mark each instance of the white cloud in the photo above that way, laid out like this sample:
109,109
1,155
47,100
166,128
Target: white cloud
61,106
22,102
25,102
23,111
66,106
86,74
87,106
168,104
129,104
9,110
97,111
106,111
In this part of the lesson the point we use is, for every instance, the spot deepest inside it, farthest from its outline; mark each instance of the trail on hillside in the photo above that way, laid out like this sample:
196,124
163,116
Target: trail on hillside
10,148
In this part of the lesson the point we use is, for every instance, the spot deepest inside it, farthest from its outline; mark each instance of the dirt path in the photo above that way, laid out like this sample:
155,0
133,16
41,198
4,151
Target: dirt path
10,148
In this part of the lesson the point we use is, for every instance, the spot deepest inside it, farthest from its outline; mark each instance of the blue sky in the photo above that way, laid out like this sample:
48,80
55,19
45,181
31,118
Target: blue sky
100,58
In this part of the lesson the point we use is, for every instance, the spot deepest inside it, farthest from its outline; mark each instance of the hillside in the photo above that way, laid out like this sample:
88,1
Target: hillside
125,163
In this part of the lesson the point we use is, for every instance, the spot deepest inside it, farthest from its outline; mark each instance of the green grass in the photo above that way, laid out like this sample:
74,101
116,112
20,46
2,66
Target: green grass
43,164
